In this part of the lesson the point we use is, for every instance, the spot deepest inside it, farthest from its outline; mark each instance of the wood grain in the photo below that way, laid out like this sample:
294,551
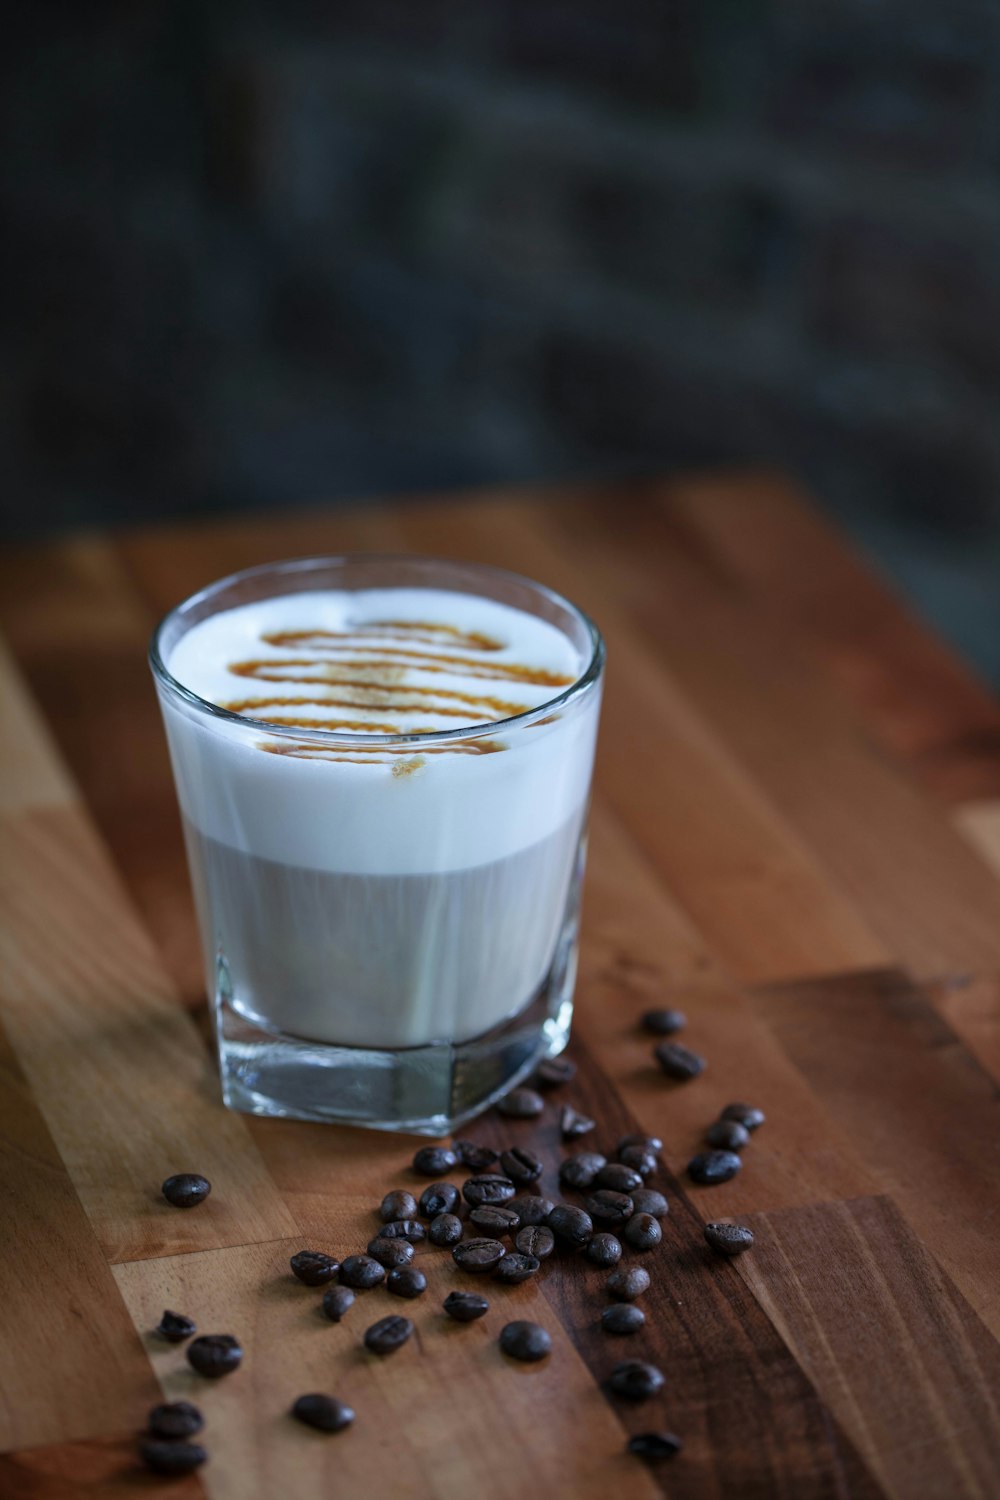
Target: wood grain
106,1466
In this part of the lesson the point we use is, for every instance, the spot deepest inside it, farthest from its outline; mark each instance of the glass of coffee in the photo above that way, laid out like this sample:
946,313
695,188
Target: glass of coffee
383,766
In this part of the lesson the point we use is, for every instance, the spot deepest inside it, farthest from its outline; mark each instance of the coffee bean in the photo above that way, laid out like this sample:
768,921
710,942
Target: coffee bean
712,1167
627,1283
361,1271
531,1209
642,1232
445,1230
336,1301
609,1207
535,1239
622,1317
175,1327
490,1188
619,1177
521,1104
727,1135
325,1413
165,1457
313,1267
572,1124
398,1205
678,1062
516,1267
176,1419
494,1219
647,1142
439,1198
729,1239
406,1281
434,1161
479,1255
654,1446
476,1158
635,1380
186,1189
570,1224
604,1249
580,1170
525,1341
403,1229
664,1022
388,1334
465,1307
555,1071
521,1166
648,1201
390,1253
639,1159
744,1114
214,1354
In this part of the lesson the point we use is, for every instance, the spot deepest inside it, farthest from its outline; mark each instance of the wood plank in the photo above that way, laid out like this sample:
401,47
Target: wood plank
29,780
971,1007
979,824
105,1466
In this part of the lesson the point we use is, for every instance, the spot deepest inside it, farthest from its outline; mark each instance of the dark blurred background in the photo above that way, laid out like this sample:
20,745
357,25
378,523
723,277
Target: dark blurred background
271,254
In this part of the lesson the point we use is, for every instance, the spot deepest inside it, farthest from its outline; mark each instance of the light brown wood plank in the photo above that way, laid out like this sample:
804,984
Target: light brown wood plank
979,824
29,780
971,1007
105,1466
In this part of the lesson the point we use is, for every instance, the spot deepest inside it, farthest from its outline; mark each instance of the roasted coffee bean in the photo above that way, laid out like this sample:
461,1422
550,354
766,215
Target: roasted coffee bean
476,1158
478,1255
439,1198
336,1301
489,1188
403,1229
388,1334
555,1071
627,1283
642,1232
648,1201
729,1239
520,1166
531,1209
406,1281
712,1167
528,1342
570,1224
604,1249
361,1271
580,1170
445,1230
214,1354
619,1177
647,1142
521,1104
572,1124
465,1307
622,1317
535,1239
176,1419
165,1457
639,1159
654,1446
398,1205
635,1380
678,1062
609,1207
186,1189
516,1267
390,1253
325,1413
434,1161
744,1114
494,1219
313,1267
175,1327
727,1135
664,1022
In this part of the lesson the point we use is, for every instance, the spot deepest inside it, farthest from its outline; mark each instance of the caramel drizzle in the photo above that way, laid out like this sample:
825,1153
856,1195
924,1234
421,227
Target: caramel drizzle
414,630
374,754
391,698
387,657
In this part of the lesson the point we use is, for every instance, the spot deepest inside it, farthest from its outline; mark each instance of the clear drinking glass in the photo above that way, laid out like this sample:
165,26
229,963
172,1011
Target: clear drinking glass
389,921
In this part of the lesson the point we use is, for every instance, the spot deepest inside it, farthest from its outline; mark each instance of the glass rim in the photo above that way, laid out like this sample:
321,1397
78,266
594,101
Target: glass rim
339,738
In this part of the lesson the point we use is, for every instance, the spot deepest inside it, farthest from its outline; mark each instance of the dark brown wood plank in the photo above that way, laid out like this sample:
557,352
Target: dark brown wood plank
100,1466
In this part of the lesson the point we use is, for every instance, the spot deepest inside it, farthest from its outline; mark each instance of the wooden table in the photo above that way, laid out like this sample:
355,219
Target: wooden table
796,838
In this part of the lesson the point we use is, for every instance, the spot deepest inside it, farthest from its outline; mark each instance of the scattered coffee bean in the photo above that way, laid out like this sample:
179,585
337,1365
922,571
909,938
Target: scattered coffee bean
336,1301
580,1170
176,1419
406,1281
604,1249
165,1457
744,1114
727,1135
622,1317
640,1159
476,1158
555,1071
186,1189
479,1255
571,1224
445,1230
647,1142
313,1267
494,1219
403,1229
361,1271
388,1334
521,1104
398,1205
325,1413
531,1209
712,1167
678,1062
525,1341
490,1188
521,1166
627,1283
649,1201
438,1198
642,1232
175,1327
609,1207
516,1267
434,1161
619,1177
664,1022
572,1124
654,1446
635,1380
214,1354
465,1307
729,1239
535,1239
390,1253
